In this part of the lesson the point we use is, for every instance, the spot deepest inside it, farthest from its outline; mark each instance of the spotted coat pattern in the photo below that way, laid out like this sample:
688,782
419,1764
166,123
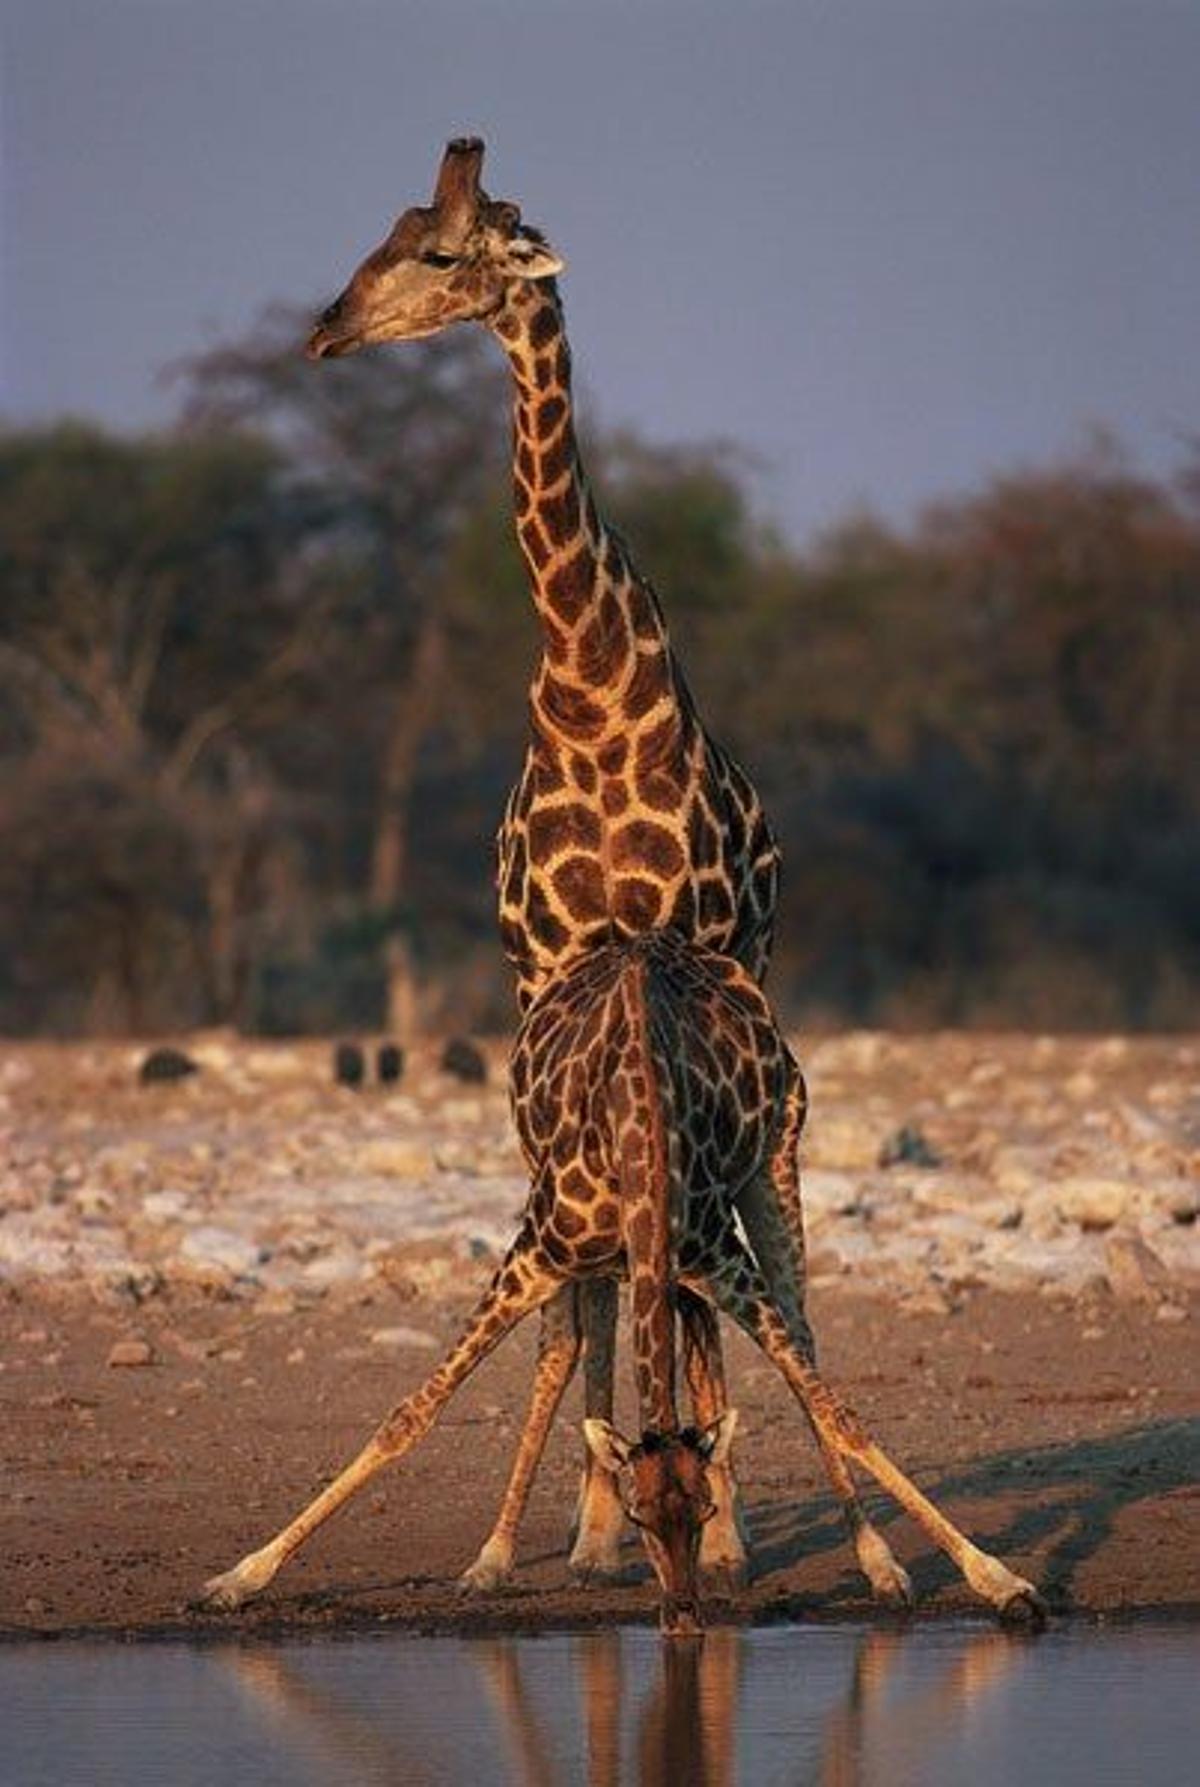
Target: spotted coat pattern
627,817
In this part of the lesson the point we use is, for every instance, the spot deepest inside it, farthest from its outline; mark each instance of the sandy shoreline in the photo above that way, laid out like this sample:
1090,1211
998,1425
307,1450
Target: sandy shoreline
1078,1459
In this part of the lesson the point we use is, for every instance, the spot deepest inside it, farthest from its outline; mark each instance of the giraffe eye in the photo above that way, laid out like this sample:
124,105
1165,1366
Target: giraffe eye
432,258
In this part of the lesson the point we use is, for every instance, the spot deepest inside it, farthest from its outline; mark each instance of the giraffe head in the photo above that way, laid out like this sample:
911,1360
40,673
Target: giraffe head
662,1480
449,262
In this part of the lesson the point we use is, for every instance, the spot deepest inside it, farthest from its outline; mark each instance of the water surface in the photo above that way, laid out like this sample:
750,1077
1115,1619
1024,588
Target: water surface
837,1706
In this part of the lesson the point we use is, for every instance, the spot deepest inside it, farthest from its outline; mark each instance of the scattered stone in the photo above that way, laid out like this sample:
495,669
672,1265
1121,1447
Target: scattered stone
276,1302
1093,1204
841,1143
93,1203
162,1066
1171,1312
929,1300
209,1245
1182,1204
1134,1271
131,1353
395,1158
165,1206
461,1058
349,1064
400,1337
908,1147
389,1063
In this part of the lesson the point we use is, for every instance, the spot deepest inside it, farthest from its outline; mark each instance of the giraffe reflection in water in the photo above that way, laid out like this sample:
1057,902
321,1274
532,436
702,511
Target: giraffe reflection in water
688,1721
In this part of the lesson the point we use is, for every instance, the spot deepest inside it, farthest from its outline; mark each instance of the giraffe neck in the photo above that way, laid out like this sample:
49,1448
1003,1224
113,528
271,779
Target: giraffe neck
606,657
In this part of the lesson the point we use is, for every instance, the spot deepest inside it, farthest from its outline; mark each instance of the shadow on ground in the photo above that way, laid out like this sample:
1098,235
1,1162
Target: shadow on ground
1060,1502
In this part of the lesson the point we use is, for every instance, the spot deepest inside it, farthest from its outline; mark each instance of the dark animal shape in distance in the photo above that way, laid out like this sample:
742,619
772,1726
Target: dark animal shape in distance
462,1059
161,1066
349,1065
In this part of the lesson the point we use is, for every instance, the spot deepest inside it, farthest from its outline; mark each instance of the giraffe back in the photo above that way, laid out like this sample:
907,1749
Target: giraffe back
646,1035
624,839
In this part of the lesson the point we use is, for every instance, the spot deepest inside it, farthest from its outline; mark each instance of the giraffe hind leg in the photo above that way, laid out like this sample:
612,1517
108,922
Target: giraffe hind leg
723,1555
558,1354
888,1578
599,1519
738,1289
770,1211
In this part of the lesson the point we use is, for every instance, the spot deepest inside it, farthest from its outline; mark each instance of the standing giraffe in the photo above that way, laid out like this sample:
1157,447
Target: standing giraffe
627,816
649,1085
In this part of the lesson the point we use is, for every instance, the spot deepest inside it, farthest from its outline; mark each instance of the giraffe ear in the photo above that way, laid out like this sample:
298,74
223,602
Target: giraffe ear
606,1445
528,257
716,1440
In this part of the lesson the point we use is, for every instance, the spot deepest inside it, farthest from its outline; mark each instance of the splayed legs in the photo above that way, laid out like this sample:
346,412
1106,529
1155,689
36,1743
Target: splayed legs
521,1283
737,1287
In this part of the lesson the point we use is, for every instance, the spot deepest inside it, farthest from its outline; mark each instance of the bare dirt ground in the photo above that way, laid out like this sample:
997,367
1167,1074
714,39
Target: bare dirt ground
1057,1418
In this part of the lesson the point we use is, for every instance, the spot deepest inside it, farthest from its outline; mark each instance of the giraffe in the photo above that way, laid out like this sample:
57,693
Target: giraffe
649,1085
626,815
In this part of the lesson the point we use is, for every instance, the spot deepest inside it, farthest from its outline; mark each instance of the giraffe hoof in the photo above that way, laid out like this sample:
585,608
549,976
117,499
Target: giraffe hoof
483,1576
1026,1608
221,1594
231,1590
893,1589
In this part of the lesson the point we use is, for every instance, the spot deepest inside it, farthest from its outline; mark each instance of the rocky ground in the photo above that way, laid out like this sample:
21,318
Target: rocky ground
211,1288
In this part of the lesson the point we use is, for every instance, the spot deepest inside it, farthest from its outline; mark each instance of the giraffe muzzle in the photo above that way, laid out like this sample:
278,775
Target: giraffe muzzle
326,344
680,1618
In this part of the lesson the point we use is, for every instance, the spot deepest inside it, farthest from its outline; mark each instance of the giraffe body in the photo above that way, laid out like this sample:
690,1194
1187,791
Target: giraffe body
627,816
629,837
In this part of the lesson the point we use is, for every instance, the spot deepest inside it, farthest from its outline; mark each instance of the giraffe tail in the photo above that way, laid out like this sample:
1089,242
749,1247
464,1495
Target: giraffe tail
649,1170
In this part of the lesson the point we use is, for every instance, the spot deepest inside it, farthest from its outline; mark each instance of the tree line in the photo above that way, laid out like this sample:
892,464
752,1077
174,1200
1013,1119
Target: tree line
262,692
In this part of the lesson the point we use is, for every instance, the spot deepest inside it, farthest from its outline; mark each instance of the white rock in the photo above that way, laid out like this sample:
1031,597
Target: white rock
825,1192
341,1265
1134,1270
401,1337
396,1159
842,1143
1018,1171
1094,1203
166,1206
213,1246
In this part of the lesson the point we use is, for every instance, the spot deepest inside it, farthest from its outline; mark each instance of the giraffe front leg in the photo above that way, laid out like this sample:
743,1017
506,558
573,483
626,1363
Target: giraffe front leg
738,1288
599,1517
520,1284
723,1556
558,1353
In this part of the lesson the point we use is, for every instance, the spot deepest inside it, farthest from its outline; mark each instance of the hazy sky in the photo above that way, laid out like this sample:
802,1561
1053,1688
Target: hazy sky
887,246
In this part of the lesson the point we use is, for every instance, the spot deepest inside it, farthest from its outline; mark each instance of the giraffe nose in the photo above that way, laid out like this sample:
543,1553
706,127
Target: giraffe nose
330,337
